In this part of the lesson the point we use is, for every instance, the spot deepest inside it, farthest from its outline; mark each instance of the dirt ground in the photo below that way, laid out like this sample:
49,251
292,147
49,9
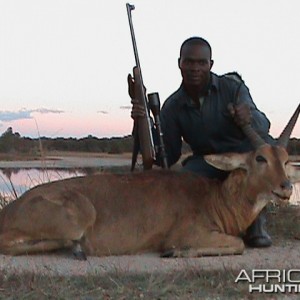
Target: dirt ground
68,161
285,256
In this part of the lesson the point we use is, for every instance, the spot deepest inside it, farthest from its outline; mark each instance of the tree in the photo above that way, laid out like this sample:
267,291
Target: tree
9,141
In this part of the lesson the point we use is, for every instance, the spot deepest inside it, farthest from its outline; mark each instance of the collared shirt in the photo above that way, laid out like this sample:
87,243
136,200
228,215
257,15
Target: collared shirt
209,128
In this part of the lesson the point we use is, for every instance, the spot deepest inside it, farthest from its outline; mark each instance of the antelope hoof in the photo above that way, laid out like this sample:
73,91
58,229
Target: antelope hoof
79,255
168,254
78,252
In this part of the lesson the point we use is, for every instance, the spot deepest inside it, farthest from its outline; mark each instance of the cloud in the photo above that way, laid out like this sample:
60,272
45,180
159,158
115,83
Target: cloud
126,107
6,116
47,111
104,112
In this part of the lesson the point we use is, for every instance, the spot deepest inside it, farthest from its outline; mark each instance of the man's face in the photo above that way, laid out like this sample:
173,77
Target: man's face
195,64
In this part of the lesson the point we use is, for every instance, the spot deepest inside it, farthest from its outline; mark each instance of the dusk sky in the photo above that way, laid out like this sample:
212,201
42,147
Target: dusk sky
64,63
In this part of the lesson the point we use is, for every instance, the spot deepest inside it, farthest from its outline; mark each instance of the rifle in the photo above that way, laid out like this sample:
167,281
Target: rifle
142,129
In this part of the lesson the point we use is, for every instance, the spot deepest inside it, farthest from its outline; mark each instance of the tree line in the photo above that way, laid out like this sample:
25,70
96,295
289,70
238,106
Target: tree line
13,142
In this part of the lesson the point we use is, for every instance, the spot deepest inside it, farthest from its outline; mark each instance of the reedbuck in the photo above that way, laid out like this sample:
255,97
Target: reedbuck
173,213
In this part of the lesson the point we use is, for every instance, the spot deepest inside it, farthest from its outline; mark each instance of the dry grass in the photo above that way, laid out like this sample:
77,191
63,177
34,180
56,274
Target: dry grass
193,284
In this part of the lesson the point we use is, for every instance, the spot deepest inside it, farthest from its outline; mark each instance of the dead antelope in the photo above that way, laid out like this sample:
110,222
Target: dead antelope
173,213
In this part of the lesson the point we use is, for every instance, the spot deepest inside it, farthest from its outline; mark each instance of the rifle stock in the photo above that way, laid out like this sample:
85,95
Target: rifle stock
142,132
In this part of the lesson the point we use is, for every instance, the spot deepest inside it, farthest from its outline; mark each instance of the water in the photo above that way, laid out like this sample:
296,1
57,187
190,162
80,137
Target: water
16,177
17,181
295,198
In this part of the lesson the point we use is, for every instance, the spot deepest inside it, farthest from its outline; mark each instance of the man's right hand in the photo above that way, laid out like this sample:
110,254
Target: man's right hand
137,108
241,113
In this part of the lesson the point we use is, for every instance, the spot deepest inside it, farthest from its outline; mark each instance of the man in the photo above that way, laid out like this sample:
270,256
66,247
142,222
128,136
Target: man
207,112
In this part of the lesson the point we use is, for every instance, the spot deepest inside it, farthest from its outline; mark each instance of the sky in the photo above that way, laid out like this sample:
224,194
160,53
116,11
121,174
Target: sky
64,63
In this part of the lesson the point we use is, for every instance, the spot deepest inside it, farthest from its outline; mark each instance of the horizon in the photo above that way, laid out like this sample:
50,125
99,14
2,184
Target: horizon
87,136
64,63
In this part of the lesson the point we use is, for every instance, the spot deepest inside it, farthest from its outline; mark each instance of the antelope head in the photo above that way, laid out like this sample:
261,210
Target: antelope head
270,174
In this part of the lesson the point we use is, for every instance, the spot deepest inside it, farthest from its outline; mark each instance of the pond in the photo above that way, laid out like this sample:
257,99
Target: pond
16,177
17,181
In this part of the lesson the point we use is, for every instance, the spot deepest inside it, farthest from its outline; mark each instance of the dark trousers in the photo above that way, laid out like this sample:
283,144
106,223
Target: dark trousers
198,165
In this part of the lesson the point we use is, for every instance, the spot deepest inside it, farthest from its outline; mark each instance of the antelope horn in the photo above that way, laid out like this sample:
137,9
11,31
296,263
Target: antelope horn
255,139
252,135
285,135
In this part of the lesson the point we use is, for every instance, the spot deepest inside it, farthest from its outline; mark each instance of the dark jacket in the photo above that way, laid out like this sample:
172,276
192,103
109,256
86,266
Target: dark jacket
210,128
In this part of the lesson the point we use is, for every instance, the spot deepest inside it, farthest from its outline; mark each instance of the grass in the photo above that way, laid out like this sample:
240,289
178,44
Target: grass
192,284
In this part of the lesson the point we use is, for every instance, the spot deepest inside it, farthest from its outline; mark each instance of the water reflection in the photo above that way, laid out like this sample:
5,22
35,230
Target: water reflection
295,198
14,182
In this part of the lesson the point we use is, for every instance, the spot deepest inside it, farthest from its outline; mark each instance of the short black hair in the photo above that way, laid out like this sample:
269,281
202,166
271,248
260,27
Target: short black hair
195,40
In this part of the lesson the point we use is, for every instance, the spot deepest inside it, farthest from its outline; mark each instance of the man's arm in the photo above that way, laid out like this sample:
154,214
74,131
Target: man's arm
171,132
259,120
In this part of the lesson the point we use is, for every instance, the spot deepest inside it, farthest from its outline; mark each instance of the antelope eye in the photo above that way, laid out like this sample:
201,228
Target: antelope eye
260,159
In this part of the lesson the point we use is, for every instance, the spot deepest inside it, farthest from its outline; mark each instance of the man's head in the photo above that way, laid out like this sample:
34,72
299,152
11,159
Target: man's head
195,63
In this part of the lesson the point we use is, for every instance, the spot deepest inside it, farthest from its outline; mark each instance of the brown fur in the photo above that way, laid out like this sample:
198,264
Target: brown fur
173,213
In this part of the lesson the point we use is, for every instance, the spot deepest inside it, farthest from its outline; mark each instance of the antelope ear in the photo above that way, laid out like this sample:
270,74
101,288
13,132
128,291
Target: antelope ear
227,161
293,173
